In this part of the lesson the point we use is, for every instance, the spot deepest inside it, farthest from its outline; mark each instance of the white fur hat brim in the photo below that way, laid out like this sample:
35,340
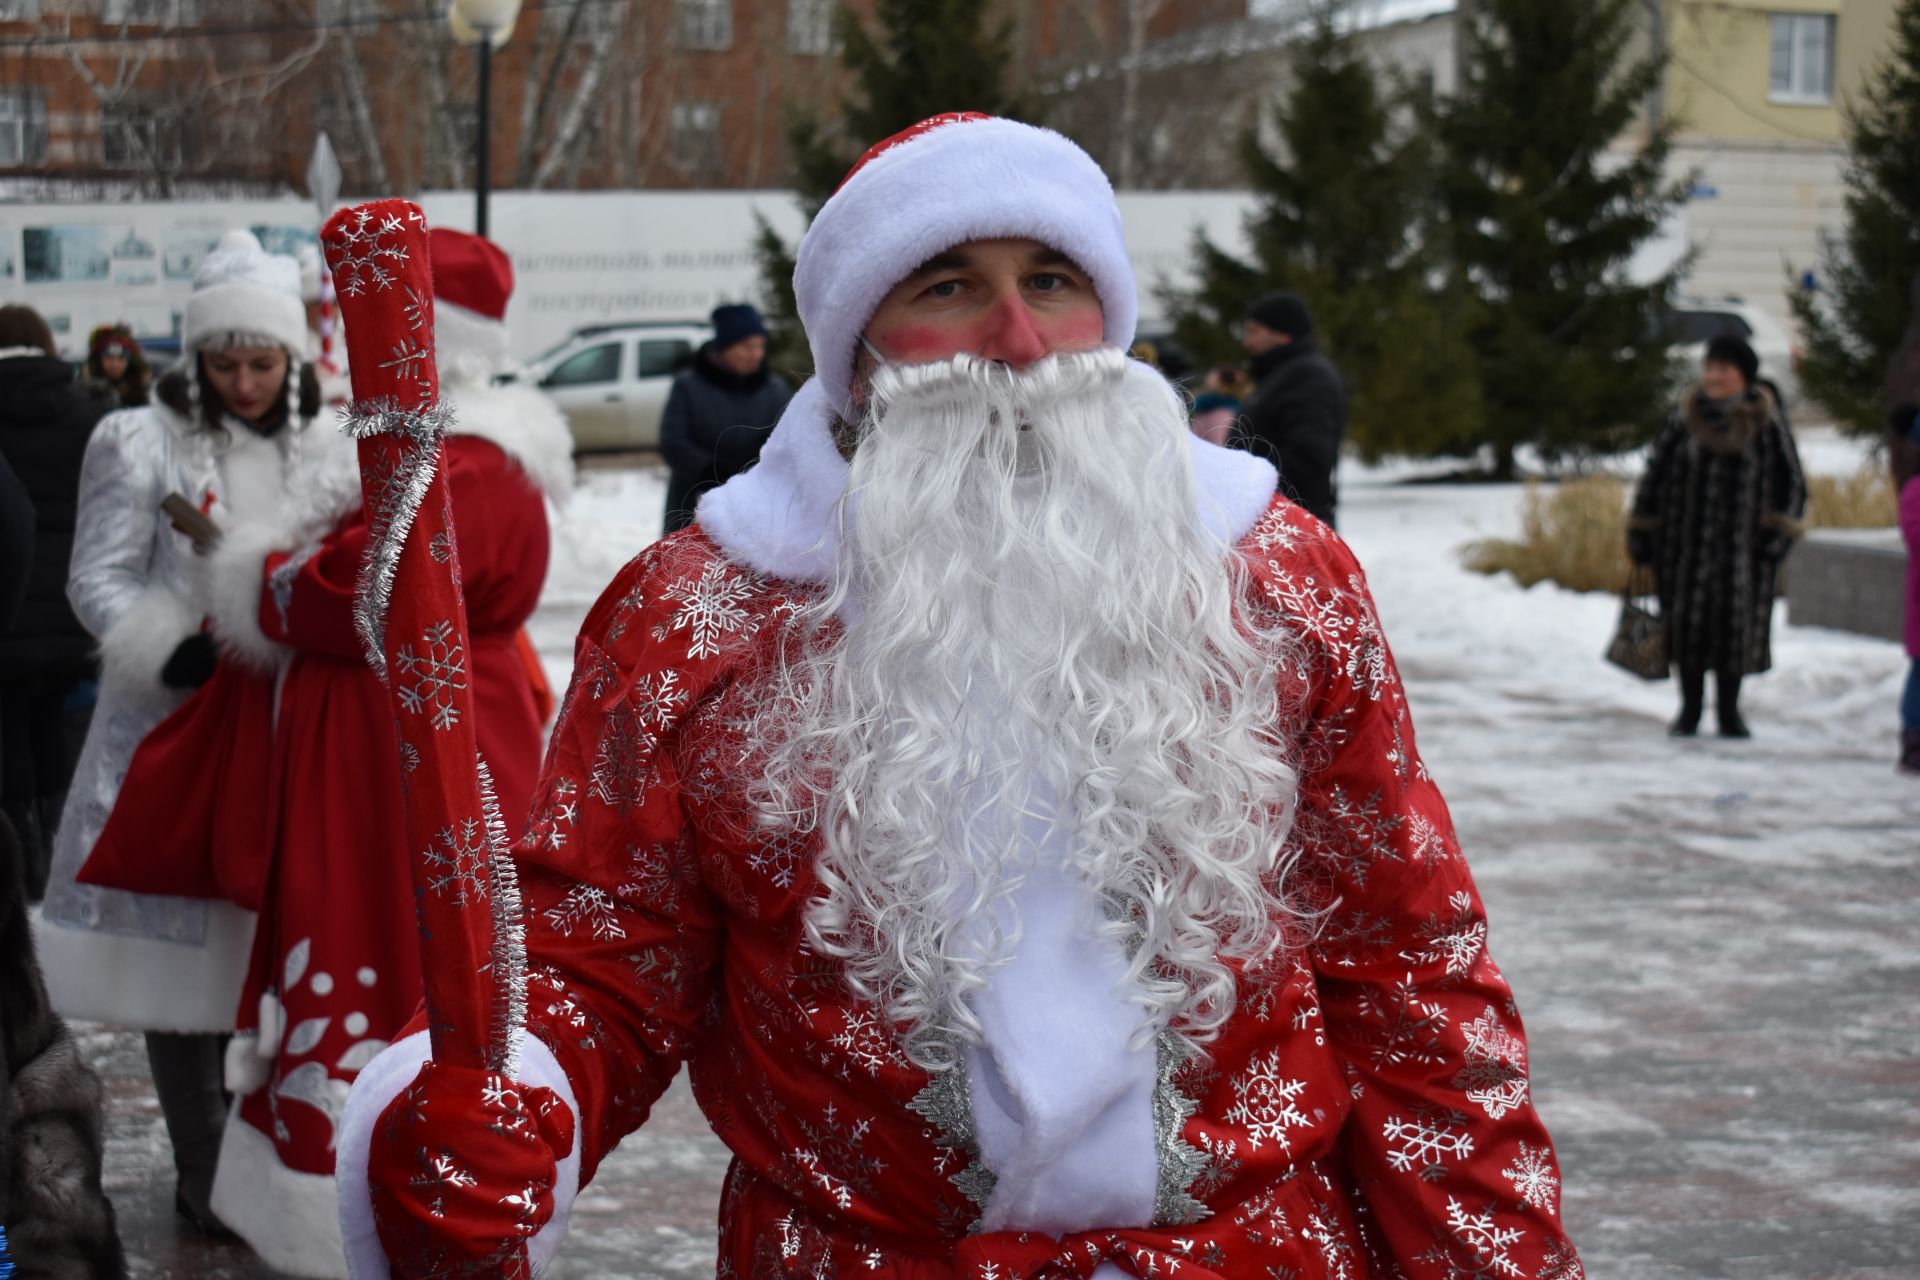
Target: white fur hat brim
243,308
967,180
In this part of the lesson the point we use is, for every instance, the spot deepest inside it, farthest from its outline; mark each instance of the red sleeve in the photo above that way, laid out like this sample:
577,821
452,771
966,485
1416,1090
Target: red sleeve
623,935
1443,1141
501,526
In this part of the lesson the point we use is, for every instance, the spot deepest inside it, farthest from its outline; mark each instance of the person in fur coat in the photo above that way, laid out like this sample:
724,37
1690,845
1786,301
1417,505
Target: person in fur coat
1717,510
335,969
1005,804
54,1217
230,433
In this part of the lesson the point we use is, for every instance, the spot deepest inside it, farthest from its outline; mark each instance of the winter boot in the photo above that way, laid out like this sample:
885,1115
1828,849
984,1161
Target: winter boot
1910,752
1693,695
1727,706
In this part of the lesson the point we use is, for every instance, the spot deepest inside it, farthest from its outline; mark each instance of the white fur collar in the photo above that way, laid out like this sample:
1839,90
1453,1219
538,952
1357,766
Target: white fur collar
527,426
777,517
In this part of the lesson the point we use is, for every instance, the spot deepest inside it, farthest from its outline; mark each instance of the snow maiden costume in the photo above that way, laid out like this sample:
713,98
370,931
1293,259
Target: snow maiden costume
1361,1104
170,964
336,966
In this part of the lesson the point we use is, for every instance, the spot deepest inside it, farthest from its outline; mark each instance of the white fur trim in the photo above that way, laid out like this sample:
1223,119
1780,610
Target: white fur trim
141,640
291,1219
777,517
246,1068
380,1083
972,180
467,346
241,288
525,423
128,981
231,577
14,353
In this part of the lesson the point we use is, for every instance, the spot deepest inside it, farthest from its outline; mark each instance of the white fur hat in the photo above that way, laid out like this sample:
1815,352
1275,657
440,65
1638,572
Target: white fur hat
946,181
240,288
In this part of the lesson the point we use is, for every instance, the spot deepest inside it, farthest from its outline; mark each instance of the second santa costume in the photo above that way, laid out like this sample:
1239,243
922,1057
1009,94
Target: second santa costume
336,967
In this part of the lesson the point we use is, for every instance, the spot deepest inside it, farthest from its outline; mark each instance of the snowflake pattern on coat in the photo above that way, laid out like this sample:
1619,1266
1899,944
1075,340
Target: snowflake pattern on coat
1363,1114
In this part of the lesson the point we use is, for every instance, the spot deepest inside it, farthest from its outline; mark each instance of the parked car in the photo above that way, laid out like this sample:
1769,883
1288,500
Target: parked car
1694,322
611,380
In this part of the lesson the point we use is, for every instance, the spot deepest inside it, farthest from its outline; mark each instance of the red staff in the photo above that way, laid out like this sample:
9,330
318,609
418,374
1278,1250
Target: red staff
413,624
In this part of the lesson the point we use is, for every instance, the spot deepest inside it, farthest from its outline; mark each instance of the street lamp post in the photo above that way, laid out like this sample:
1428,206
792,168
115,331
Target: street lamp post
487,25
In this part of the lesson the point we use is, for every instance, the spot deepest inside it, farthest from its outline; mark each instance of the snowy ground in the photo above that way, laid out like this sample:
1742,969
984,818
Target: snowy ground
1714,943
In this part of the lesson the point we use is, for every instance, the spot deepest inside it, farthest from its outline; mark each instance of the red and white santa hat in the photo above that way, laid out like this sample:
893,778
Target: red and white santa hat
244,296
948,180
472,283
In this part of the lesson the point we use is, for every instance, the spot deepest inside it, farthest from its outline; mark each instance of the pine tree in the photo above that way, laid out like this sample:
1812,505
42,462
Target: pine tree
1339,220
920,58
1853,325
1542,223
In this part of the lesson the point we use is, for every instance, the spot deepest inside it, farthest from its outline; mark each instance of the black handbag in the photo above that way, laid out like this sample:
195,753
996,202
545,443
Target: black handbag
1640,642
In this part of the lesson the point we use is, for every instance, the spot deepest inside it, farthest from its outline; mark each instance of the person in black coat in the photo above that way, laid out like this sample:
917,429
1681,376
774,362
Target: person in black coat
720,412
1297,415
1717,510
45,655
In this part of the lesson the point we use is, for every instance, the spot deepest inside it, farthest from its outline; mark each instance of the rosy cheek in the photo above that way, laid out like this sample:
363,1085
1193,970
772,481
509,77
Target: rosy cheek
916,343
1080,328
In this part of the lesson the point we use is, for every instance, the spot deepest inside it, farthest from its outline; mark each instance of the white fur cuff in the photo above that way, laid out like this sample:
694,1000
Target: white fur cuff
229,579
379,1084
140,641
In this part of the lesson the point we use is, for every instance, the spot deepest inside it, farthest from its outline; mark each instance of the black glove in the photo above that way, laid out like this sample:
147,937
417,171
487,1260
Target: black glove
192,662
1640,546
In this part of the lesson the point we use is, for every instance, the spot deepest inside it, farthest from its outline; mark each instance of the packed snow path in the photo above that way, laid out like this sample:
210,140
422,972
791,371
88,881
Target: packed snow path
1714,944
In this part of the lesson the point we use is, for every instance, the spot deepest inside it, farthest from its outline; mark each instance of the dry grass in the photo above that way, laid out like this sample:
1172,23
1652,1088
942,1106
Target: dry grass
1575,533
1863,500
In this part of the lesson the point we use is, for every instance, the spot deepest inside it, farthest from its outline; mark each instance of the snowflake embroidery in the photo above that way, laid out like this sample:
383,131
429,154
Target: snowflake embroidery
433,674
1336,1251
657,698
623,759
1531,1174
1495,1074
1479,1247
440,547
456,862
589,905
362,258
409,757
1423,1144
1455,941
1265,1105
1426,841
1366,830
833,1160
862,1038
712,607
778,858
409,359
1560,1263
654,875
554,823
1409,1026
1221,1167
656,969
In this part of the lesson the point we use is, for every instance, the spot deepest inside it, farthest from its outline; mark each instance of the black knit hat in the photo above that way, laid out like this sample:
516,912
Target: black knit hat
1283,313
1728,349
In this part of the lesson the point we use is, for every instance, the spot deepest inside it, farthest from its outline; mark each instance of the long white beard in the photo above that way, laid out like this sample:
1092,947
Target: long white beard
1029,627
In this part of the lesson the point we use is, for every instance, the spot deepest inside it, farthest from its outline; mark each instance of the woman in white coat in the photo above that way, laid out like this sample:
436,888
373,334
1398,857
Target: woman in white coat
226,431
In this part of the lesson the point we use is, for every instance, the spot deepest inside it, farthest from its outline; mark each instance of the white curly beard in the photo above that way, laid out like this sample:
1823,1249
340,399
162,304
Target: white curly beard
1031,642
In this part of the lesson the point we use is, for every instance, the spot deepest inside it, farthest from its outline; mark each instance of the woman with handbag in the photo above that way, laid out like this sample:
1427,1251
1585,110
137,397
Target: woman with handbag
220,454
1715,513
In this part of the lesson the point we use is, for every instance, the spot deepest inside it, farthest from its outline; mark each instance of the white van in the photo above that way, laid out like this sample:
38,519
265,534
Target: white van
611,380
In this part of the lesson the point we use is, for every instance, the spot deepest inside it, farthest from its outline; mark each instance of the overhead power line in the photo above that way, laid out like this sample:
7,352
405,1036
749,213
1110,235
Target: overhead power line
182,34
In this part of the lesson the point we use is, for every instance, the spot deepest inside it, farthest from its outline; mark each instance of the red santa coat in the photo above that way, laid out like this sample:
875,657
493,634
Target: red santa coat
337,950
1365,1112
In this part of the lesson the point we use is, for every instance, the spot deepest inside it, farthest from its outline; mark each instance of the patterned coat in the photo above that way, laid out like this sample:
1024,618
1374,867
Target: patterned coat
1716,512
1365,1113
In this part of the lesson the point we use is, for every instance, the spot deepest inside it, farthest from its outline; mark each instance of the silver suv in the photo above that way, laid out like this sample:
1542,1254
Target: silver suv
611,380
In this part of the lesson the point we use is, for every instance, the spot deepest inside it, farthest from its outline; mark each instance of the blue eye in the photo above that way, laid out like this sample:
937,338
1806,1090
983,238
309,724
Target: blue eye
945,289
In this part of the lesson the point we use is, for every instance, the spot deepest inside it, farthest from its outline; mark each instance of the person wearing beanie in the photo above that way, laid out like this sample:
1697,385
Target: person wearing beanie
1715,513
720,411
1006,805
337,899
1297,415
128,937
116,362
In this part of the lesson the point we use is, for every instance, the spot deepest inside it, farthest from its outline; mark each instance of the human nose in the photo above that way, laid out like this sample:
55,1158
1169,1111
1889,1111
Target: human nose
1013,337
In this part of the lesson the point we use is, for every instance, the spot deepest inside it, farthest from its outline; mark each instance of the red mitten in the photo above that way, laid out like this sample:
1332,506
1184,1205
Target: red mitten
462,1169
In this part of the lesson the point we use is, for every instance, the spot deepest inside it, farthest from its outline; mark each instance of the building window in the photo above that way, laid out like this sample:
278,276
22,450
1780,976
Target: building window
150,13
1802,64
133,136
23,128
696,138
703,24
810,26
19,10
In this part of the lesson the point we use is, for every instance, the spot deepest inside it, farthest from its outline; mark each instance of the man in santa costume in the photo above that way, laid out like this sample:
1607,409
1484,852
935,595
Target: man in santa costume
1009,809
336,963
